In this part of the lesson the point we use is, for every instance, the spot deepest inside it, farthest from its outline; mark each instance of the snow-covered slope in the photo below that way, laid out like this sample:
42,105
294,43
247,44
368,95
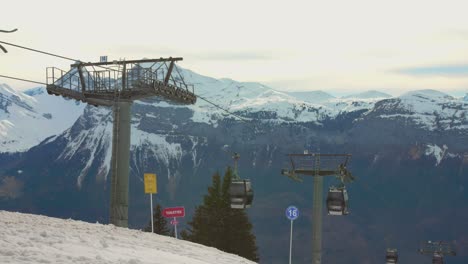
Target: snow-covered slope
246,98
28,118
26,238
430,109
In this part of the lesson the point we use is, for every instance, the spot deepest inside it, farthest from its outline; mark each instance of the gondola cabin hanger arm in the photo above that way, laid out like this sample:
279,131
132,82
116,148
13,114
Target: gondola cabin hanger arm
6,31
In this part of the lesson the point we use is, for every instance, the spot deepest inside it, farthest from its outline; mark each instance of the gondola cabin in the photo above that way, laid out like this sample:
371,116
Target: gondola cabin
437,259
391,256
241,194
337,201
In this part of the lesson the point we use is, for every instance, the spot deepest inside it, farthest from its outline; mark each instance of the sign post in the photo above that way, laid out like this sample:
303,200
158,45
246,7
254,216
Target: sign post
292,213
150,187
174,212
174,222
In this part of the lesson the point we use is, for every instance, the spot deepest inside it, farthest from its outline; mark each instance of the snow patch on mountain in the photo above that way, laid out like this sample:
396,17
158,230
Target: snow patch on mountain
28,118
438,153
92,135
250,97
164,151
27,238
90,138
429,109
195,143
343,105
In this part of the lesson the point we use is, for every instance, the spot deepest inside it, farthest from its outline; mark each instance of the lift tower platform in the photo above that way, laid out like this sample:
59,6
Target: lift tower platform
438,250
118,84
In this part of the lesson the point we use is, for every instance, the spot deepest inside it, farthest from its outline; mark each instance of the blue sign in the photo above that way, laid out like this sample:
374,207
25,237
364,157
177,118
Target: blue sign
292,213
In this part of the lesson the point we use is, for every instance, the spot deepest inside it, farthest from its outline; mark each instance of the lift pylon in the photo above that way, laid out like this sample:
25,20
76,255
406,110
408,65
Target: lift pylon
318,165
118,84
437,249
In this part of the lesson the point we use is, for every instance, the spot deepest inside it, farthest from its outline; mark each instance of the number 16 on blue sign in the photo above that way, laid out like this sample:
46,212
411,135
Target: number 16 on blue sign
292,213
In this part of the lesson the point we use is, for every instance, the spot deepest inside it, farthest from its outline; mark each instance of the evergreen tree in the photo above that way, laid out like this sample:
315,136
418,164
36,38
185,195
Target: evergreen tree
216,224
240,239
159,222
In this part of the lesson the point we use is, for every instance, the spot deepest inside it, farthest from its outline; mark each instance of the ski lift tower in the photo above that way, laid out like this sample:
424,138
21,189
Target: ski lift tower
437,249
118,84
319,165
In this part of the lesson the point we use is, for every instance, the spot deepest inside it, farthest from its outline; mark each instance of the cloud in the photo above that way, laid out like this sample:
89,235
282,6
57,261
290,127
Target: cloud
437,70
236,56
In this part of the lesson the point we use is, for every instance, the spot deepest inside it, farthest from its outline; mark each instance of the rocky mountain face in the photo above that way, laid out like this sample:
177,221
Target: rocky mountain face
28,118
410,160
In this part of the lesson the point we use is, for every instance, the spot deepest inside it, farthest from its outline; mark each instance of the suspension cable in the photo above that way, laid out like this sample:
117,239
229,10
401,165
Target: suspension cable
35,50
221,108
48,53
20,79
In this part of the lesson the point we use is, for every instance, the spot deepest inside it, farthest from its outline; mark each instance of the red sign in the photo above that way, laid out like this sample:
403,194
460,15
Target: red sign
174,212
174,222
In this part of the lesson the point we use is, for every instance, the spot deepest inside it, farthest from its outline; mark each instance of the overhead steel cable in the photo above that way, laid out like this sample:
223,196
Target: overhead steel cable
48,53
243,119
39,51
20,79
221,108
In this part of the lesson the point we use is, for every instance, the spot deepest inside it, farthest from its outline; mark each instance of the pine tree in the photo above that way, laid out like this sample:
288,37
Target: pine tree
206,223
240,239
159,222
216,224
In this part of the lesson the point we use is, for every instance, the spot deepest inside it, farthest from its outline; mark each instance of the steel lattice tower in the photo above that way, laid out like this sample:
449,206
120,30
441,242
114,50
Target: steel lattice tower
118,84
318,165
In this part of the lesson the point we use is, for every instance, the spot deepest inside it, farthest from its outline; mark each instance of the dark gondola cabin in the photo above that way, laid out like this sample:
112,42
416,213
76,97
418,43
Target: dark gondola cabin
392,256
241,194
337,201
437,259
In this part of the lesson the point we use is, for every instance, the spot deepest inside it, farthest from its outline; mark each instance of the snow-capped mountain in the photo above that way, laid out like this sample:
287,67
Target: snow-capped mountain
250,99
54,240
371,94
20,112
429,109
312,96
465,98
30,117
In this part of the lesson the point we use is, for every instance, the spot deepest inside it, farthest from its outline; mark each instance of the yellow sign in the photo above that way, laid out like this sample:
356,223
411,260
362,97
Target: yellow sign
150,183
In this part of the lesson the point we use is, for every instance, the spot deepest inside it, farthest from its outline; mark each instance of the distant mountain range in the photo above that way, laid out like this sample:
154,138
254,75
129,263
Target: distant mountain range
21,113
410,159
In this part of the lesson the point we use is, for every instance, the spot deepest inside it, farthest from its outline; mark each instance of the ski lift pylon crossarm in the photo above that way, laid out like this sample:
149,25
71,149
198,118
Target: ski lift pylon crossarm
6,31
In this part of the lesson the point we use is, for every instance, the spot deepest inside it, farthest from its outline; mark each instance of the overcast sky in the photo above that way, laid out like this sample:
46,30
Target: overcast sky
335,46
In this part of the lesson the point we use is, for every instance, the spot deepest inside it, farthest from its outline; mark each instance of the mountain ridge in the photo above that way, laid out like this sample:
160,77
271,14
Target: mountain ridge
245,99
